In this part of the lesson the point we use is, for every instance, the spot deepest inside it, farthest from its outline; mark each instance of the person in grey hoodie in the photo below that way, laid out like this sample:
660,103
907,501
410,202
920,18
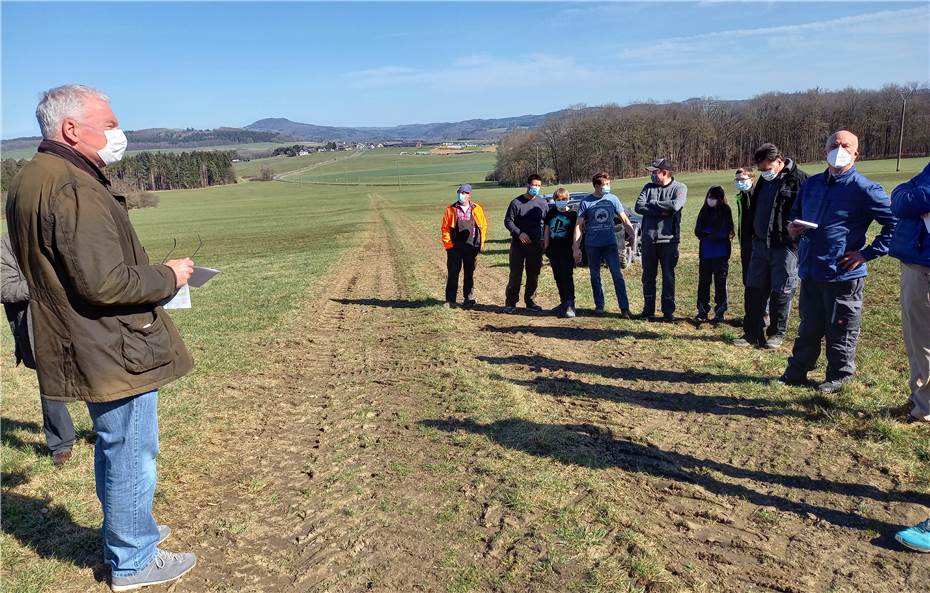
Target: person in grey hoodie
56,420
660,203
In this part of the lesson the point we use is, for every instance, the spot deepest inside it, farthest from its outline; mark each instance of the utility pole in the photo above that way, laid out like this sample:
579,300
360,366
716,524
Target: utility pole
905,92
537,157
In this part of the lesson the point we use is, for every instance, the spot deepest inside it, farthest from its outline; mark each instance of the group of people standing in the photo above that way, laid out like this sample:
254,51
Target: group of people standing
792,228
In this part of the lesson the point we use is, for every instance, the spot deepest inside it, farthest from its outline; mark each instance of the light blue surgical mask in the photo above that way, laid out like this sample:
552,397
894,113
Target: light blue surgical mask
605,189
462,198
562,205
533,191
743,184
769,175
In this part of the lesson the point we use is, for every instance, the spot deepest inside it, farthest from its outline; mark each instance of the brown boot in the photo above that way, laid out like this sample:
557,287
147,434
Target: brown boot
59,458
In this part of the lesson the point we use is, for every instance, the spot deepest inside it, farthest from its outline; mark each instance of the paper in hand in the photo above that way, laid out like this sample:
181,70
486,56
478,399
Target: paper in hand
926,218
180,300
201,276
805,224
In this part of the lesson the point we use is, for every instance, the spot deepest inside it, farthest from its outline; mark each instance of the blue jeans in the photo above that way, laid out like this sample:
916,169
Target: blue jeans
609,253
124,468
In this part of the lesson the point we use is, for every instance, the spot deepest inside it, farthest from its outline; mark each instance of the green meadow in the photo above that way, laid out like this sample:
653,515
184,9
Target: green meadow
276,241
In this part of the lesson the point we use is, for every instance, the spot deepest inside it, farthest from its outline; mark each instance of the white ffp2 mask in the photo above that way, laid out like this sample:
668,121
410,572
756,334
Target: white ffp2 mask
115,148
839,158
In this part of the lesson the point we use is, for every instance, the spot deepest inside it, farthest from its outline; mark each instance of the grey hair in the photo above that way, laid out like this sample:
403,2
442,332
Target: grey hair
61,102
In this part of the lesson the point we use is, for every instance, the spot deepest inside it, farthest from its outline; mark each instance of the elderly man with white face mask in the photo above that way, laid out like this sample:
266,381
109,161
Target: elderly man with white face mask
830,217
100,335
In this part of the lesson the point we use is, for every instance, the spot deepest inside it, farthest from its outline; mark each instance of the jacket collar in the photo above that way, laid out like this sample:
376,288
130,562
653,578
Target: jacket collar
75,158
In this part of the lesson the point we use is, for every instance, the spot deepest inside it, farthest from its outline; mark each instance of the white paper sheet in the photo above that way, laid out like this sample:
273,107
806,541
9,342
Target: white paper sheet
181,299
805,224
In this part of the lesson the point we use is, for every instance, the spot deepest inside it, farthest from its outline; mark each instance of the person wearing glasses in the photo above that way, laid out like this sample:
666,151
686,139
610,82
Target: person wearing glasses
100,334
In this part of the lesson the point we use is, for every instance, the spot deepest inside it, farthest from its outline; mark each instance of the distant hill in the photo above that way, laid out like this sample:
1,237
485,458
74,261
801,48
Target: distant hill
283,130
161,138
472,129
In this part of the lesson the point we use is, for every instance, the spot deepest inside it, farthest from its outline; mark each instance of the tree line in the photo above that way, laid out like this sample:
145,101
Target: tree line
136,176
707,134
174,170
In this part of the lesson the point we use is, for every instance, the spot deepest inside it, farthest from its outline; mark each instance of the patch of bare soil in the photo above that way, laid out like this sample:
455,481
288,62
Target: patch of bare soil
323,488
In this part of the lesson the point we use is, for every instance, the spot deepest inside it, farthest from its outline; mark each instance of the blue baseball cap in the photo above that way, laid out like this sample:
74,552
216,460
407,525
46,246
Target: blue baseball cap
464,189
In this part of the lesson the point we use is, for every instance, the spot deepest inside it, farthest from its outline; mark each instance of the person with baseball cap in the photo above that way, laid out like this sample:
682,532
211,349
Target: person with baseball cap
660,203
464,229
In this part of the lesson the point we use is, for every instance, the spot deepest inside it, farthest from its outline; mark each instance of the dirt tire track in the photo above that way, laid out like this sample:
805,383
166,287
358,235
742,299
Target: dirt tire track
746,543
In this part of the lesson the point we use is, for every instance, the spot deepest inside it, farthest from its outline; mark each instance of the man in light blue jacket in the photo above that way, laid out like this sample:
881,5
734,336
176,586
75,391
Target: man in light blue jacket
830,216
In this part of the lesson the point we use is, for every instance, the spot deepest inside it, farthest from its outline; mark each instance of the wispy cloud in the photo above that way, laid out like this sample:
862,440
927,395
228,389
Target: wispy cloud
474,72
876,25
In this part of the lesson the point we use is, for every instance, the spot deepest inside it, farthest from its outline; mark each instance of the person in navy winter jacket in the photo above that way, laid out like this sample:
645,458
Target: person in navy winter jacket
714,230
832,260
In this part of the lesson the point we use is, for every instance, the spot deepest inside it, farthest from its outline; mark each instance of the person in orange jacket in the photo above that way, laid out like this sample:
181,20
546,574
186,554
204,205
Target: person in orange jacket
464,229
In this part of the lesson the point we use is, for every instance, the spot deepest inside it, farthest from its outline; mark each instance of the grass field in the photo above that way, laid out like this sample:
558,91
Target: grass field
343,432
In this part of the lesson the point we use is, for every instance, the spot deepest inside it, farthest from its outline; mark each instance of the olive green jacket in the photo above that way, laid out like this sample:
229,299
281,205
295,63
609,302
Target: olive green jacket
99,333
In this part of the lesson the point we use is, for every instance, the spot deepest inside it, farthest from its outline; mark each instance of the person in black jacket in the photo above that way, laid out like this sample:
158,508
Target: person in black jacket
56,420
714,230
773,268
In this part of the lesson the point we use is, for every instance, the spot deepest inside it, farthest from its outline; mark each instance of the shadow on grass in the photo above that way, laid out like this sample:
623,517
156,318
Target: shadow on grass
50,531
391,303
611,372
590,446
570,332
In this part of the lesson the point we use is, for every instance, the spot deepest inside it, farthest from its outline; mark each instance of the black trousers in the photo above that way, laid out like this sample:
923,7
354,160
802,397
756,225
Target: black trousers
528,257
57,425
773,275
563,266
457,258
831,310
745,256
666,255
713,270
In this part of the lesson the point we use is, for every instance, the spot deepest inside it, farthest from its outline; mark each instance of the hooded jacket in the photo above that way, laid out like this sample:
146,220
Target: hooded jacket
453,236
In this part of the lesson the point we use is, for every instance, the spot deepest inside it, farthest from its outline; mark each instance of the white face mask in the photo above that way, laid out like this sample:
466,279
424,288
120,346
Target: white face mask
115,148
712,202
769,175
839,158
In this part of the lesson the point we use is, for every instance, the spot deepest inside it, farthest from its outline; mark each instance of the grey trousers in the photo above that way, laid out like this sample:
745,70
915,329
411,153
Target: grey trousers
831,310
915,322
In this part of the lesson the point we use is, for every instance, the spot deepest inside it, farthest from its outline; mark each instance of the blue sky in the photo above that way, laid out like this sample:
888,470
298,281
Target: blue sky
204,65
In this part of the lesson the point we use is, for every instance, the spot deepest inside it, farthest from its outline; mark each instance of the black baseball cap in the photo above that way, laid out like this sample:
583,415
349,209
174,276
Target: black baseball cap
660,164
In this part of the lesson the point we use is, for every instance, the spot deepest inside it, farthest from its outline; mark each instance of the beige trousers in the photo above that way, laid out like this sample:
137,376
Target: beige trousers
915,319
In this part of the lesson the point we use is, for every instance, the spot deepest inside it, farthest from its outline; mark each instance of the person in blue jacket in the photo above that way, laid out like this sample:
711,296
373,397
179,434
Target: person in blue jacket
832,260
910,202
714,230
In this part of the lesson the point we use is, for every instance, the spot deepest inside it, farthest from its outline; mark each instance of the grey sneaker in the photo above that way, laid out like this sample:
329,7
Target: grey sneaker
742,342
774,342
166,567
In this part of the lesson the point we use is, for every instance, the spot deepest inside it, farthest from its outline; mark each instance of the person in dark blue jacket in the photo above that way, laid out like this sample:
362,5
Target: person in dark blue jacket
832,257
714,230
910,202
